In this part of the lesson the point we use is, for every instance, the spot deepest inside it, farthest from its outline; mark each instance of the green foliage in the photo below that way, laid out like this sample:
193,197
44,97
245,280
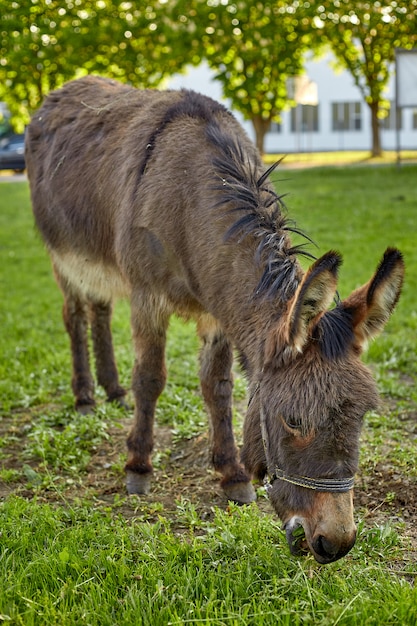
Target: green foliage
253,49
363,37
51,41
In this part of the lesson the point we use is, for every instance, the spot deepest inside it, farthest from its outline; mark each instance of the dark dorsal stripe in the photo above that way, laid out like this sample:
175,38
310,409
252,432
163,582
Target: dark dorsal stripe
193,105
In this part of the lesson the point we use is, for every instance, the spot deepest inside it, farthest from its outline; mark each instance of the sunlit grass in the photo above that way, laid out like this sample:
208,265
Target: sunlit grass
347,157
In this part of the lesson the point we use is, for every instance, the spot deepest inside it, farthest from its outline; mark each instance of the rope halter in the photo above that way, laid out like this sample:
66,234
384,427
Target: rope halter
331,485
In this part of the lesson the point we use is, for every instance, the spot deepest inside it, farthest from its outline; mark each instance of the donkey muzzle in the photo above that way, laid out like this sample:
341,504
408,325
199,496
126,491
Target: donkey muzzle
328,532
324,548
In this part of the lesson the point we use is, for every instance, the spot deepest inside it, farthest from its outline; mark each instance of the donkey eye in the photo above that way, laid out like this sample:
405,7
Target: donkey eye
291,425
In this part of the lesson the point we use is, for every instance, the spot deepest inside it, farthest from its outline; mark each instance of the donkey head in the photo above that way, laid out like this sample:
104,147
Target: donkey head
305,416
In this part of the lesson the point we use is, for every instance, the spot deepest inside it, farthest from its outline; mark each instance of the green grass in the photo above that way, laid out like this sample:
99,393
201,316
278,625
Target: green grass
72,554
85,566
345,157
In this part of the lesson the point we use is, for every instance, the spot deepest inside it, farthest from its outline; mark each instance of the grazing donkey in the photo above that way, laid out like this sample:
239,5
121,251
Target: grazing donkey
161,197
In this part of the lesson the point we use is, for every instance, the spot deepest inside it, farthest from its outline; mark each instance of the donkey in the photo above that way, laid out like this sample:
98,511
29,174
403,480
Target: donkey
162,198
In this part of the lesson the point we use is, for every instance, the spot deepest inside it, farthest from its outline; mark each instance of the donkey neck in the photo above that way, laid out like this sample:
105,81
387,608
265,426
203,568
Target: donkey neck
254,299
259,264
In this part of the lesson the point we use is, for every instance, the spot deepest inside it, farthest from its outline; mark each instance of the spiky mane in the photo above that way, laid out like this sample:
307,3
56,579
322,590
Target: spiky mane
261,214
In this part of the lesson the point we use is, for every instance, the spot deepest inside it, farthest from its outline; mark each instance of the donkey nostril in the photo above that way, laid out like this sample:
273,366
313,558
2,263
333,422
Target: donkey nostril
324,548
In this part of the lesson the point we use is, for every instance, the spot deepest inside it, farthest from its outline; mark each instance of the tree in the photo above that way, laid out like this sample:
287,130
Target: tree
363,37
52,41
253,47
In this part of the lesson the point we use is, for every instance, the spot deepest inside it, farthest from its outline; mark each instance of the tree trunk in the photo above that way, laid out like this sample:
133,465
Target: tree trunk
376,131
261,127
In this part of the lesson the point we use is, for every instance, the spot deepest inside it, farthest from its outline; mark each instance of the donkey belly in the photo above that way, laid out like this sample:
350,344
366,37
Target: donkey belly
104,282
91,278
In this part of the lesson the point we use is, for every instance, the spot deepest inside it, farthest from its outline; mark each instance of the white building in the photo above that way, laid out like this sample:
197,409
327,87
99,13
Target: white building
340,120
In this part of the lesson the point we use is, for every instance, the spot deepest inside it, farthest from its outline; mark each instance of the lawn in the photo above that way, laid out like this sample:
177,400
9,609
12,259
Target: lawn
75,550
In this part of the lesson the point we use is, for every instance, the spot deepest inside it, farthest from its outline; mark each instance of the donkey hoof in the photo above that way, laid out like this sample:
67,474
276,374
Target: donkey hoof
139,484
118,397
241,493
120,403
85,408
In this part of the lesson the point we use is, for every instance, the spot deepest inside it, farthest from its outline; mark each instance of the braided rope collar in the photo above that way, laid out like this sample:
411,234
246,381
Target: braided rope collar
331,485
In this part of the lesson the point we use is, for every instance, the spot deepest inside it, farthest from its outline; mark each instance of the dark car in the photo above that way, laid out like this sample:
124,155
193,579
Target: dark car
12,153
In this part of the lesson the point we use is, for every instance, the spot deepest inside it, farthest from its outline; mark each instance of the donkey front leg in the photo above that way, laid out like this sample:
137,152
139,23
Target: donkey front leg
216,383
107,375
148,381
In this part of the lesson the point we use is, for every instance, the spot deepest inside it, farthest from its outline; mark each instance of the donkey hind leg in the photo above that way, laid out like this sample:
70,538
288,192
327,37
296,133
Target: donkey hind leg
148,381
216,383
107,375
75,314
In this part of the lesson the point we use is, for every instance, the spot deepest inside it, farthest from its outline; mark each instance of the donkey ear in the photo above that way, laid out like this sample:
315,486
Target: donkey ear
313,296
372,304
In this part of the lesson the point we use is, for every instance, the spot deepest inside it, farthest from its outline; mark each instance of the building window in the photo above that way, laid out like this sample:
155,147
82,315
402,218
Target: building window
390,121
305,118
276,127
346,116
